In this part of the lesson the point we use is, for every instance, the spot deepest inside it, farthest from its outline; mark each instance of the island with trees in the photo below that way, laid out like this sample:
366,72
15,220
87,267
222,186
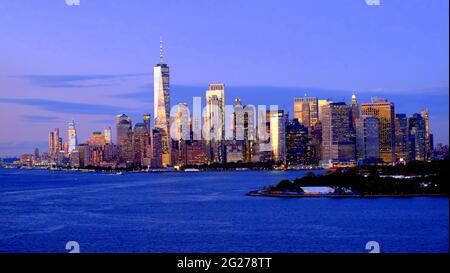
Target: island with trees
409,180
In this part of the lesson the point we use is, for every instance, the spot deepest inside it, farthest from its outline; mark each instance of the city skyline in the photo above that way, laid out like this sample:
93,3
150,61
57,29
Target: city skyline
39,102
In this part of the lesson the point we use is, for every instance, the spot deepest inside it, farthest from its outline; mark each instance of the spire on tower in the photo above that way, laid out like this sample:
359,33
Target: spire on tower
160,50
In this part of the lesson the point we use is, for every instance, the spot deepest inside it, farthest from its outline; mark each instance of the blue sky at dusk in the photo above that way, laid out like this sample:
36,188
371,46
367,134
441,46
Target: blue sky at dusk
93,61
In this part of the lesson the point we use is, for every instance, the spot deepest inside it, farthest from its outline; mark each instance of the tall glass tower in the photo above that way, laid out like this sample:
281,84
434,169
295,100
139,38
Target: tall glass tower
72,136
161,100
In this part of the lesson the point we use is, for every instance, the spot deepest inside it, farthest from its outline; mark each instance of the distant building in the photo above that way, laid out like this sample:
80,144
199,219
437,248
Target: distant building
72,137
367,141
417,138
338,140
401,137
278,135
384,111
306,110
214,132
354,110
125,137
296,143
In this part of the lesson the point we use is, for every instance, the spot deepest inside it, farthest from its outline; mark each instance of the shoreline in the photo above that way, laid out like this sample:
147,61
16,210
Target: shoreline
281,195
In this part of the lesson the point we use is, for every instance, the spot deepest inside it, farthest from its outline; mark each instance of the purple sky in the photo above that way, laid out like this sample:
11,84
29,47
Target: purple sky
95,60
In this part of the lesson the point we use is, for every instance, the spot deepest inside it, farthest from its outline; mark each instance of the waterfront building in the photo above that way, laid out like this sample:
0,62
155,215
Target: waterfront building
161,99
296,143
278,135
124,137
338,141
367,142
214,126
384,111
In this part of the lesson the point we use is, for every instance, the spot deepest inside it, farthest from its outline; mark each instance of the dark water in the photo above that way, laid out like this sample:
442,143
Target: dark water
203,212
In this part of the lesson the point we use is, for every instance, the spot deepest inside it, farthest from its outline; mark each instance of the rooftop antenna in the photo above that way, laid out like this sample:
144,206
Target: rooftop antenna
160,50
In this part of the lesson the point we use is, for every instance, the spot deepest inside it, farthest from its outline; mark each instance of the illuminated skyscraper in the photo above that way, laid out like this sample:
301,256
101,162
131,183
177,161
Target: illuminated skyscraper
107,134
306,110
355,109
161,100
214,131
147,121
72,137
278,135
428,148
417,137
322,103
401,136
125,137
367,141
338,141
296,143
384,111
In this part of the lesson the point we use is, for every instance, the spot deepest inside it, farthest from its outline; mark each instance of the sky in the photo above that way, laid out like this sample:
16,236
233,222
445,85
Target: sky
94,61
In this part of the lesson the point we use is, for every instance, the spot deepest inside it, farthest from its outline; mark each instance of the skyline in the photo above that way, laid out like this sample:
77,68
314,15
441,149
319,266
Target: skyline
47,100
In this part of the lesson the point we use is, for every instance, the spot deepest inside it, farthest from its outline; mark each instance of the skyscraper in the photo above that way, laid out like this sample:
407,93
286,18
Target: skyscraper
306,110
72,137
124,137
322,103
161,100
296,143
107,134
278,135
367,142
428,148
384,111
355,109
214,131
401,136
338,141
417,137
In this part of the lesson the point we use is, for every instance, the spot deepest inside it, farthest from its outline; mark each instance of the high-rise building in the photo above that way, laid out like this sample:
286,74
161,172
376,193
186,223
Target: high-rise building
401,137
54,143
72,137
51,144
306,110
296,143
214,131
139,143
367,142
147,121
425,116
278,135
161,102
355,109
243,127
322,103
124,137
417,137
338,140
384,111
107,134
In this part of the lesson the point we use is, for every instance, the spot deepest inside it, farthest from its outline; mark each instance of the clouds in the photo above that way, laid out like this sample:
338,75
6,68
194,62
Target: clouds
65,107
38,118
77,81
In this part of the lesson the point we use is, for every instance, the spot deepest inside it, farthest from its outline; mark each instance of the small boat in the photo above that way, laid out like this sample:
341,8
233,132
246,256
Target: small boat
191,170
119,173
